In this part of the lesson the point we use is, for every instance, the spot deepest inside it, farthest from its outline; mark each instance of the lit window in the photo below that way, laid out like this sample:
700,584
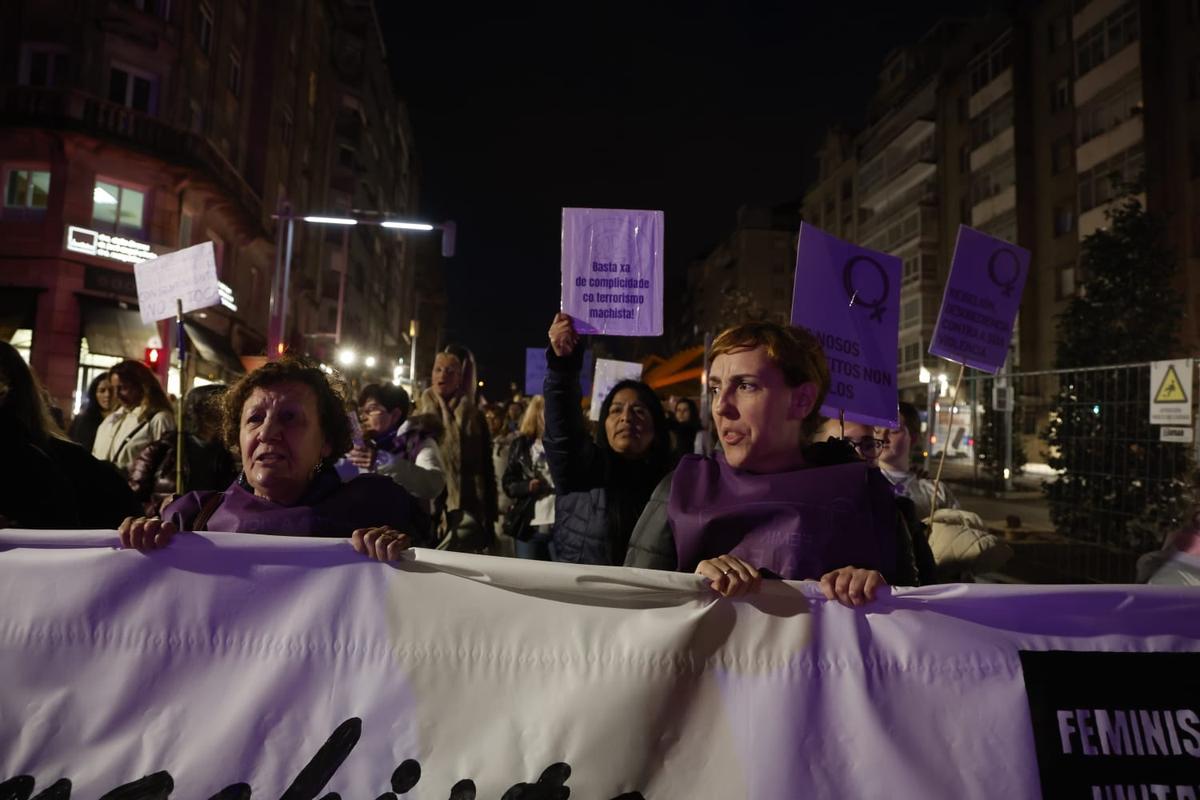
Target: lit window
27,188
118,208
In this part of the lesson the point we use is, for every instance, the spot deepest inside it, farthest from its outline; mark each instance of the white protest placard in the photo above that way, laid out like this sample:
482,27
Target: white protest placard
1171,392
189,275
608,374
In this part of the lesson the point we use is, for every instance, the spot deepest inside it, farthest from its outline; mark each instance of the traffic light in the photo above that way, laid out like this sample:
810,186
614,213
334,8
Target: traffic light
153,357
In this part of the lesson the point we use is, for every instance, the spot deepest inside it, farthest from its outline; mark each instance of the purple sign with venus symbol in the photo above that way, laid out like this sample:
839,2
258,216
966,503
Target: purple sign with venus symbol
612,265
980,304
848,296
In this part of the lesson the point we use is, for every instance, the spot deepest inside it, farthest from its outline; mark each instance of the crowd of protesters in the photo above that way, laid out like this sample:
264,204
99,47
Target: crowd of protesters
766,489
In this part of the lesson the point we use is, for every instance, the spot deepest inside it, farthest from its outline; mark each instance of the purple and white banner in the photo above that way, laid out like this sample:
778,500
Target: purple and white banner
612,270
235,665
849,297
979,306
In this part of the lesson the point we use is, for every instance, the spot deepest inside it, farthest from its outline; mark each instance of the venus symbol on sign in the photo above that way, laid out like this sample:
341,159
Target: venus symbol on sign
856,293
997,266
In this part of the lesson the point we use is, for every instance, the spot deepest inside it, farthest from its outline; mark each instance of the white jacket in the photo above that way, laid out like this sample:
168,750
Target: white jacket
123,434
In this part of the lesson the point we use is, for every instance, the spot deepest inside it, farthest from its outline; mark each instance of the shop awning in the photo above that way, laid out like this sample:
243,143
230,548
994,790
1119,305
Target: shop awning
213,348
114,331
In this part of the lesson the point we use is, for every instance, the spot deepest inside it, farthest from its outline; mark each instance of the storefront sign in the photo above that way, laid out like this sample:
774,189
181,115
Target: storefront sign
109,281
103,245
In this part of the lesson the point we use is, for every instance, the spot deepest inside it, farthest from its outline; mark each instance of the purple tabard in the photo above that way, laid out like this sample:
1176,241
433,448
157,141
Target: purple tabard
799,524
329,508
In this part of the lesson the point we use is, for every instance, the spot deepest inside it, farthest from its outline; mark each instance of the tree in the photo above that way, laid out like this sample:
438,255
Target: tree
989,439
1121,486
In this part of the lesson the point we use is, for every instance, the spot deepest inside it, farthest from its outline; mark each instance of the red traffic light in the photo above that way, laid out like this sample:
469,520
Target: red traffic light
153,354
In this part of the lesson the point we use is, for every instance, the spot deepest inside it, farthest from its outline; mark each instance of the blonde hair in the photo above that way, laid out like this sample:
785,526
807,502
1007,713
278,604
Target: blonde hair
795,351
532,423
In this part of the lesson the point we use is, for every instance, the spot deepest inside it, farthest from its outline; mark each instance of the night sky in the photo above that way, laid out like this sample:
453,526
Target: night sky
692,108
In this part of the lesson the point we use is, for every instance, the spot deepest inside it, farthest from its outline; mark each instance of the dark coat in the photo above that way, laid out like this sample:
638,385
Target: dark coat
588,524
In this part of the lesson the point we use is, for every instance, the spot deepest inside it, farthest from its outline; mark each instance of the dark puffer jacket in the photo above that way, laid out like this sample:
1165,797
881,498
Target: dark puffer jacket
598,502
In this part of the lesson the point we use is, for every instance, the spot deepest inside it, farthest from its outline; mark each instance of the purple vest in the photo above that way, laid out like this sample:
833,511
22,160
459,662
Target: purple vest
328,508
799,524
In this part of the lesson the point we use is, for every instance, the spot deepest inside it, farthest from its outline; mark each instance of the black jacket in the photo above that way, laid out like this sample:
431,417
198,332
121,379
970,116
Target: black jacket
596,507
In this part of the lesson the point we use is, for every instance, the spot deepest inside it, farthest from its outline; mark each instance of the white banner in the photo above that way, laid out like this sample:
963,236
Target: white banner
281,662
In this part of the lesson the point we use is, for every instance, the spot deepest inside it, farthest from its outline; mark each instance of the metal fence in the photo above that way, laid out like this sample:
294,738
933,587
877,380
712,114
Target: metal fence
1085,464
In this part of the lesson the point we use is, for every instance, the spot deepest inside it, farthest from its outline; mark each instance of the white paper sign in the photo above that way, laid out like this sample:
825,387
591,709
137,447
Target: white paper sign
1171,392
608,374
189,275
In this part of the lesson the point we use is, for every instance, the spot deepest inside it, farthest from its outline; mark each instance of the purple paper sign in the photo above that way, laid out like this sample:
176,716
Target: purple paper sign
980,304
848,296
612,265
535,370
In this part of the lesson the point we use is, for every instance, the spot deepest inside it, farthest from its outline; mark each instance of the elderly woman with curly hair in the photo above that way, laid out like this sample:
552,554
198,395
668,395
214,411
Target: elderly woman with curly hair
289,425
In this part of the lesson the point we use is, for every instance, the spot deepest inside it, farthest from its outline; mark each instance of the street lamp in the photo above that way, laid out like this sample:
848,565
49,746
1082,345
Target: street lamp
369,362
277,322
346,357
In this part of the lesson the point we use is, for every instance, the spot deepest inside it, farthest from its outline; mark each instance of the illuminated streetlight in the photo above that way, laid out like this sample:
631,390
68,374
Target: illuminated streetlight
331,220
346,357
369,361
407,226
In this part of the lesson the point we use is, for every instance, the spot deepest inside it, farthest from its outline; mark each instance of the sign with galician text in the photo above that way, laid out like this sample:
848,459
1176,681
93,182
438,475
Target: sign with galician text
106,245
1171,392
980,303
250,666
849,297
189,275
612,270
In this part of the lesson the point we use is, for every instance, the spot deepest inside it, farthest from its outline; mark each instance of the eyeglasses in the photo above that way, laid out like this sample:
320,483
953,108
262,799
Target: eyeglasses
867,444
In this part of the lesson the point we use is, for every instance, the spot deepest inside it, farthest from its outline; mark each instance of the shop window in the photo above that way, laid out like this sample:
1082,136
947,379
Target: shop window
27,188
118,208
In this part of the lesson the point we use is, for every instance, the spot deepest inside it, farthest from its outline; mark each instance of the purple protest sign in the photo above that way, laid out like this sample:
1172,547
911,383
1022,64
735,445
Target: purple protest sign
848,296
612,265
535,370
980,303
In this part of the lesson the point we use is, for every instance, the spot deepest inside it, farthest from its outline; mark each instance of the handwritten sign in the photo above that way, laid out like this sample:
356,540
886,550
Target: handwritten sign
608,374
612,266
189,275
979,307
849,297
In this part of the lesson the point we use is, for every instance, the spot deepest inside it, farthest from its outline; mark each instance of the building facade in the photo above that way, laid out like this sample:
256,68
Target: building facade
145,126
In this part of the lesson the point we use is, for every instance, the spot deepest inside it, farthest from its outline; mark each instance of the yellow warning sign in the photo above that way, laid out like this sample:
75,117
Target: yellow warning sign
1170,390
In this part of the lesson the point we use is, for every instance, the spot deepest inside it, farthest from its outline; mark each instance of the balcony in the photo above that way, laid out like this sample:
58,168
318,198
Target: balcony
995,89
924,194
986,210
1118,139
992,149
913,167
1089,15
1096,80
75,110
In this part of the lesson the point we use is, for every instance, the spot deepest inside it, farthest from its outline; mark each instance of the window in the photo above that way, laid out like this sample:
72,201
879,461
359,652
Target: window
118,208
1062,154
1110,110
964,210
910,313
132,89
27,188
1109,178
992,121
1064,219
1106,38
345,156
1066,282
234,81
205,29
847,189
1060,94
987,66
964,159
43,65
993,179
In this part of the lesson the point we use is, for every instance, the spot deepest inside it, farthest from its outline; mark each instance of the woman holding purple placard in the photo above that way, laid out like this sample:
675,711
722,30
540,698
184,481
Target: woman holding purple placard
772,504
